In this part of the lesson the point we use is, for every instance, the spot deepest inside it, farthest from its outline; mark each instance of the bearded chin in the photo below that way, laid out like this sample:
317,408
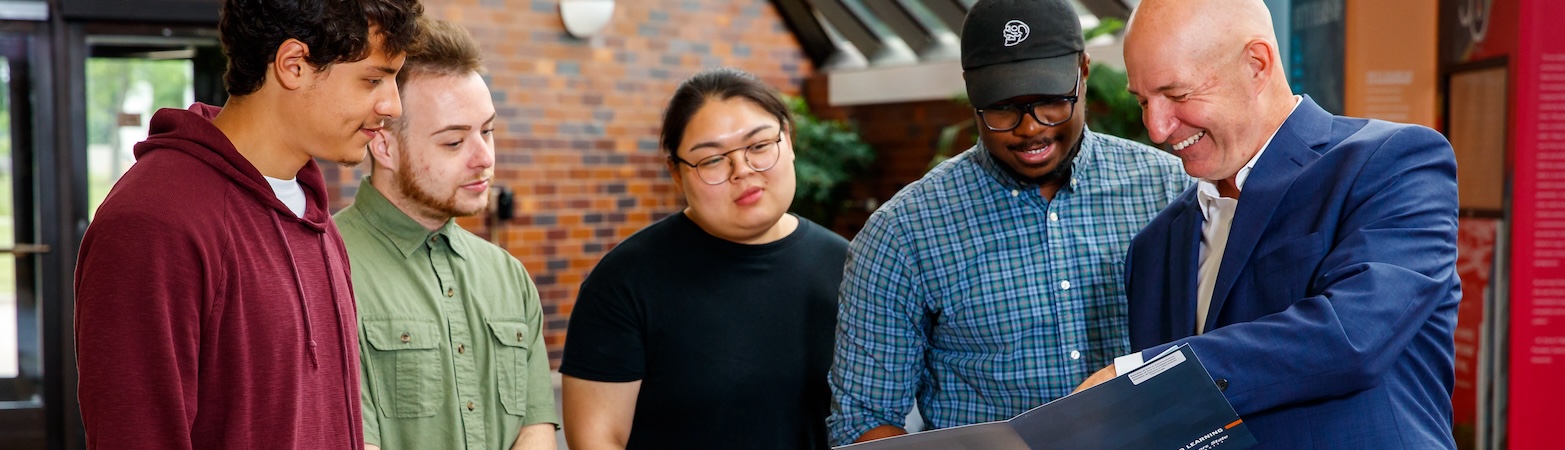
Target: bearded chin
429,201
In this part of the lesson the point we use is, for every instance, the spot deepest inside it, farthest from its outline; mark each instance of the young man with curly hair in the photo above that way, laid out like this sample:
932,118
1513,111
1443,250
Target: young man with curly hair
213,304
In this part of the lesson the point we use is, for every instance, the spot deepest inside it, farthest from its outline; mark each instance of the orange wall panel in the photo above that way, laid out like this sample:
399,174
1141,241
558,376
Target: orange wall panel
1391,61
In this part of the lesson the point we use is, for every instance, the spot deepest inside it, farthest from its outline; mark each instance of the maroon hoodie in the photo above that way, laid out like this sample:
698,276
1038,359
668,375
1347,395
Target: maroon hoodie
208,315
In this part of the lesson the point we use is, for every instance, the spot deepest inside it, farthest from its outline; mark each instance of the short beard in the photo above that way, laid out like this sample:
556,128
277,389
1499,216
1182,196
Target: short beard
1060,172
436,207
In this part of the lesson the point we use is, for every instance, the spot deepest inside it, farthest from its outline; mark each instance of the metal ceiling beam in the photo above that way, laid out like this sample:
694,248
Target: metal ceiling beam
801,20
851,27
1107,8
902,22
951,12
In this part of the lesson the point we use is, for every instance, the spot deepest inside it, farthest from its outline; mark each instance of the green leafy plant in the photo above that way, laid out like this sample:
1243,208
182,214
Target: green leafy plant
955,137
1110,108
829,153
1105,27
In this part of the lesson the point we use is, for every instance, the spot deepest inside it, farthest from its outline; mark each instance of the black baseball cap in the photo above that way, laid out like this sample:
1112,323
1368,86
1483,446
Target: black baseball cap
1020,47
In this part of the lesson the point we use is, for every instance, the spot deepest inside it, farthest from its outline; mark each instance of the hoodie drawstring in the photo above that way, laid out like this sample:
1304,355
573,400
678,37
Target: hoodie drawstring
309,330
350,379
298,284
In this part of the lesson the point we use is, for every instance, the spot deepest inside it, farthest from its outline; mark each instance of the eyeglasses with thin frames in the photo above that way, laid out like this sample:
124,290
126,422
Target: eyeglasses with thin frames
717,169
1050,112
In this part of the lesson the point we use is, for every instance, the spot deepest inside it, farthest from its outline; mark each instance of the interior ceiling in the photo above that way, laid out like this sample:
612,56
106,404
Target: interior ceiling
869,33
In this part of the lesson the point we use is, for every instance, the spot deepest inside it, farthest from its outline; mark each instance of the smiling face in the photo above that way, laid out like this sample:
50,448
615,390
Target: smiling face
1204,113
444,149
345,105
1033,152
749,205
1209,80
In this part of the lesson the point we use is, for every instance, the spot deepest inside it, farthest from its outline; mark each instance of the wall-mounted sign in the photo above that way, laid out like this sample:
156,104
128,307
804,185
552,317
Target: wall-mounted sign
1537,340
1392,61
1476,30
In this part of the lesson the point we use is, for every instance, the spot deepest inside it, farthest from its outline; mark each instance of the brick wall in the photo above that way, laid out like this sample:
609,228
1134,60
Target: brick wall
579,120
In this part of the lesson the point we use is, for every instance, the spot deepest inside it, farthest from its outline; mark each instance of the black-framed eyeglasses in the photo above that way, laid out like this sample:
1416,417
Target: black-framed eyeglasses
716,169
1051,111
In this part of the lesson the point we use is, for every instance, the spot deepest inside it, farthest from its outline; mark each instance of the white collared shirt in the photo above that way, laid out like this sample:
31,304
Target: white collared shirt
1218,212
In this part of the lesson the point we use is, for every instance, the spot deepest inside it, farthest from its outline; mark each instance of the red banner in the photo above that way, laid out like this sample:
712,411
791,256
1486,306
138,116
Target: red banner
1537,340
1475,264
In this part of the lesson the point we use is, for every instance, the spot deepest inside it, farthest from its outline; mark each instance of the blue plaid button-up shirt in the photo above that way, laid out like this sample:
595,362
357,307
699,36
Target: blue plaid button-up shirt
973,293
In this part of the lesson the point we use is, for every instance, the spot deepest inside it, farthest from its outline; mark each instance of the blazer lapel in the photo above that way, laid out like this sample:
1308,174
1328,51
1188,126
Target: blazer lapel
1291,149
1184,242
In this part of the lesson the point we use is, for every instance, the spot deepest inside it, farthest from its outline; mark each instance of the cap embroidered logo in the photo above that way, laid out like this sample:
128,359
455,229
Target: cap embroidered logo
1015,32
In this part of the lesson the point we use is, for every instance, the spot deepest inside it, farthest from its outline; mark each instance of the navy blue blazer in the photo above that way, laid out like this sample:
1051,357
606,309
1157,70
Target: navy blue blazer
1331,320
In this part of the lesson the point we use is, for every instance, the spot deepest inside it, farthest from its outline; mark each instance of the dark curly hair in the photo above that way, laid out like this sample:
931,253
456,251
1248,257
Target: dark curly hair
335,30
719,84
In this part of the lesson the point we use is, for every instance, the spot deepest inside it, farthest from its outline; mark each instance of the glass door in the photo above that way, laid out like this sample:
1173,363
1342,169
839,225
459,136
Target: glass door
21,349
126,83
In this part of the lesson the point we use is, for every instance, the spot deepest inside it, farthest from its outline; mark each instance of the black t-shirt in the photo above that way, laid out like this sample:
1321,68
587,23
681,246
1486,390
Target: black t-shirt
731,342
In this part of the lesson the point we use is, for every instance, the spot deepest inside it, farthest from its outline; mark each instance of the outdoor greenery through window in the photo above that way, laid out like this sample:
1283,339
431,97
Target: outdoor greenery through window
8,321
122,94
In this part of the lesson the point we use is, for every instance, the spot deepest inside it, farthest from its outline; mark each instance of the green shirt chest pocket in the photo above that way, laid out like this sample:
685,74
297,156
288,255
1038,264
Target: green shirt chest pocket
404,366
510,359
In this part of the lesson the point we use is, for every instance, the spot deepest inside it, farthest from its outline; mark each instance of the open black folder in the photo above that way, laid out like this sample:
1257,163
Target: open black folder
1169,403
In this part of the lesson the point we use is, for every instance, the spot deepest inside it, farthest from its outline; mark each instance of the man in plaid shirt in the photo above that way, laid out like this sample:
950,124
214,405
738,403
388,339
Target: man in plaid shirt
995,283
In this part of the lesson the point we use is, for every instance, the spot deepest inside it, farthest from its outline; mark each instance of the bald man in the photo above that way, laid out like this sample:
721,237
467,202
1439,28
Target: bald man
1312,267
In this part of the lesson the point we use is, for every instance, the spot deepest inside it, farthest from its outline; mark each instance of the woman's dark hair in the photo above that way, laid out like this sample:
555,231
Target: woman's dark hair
335,31
719,84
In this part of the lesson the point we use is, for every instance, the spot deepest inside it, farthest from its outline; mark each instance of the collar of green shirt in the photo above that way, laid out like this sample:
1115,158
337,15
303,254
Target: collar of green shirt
398,227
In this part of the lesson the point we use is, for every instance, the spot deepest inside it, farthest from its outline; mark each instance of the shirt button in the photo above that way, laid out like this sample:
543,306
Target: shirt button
1075,354
433,239
450,292
460,349
1054,217
470,406
1015,192
1073,182
1065,284
406,338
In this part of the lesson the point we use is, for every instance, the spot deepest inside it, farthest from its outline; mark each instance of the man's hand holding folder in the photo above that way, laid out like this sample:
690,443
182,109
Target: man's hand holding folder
1169,402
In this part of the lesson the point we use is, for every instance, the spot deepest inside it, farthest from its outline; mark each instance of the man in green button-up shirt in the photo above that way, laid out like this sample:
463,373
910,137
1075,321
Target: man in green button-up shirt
449,324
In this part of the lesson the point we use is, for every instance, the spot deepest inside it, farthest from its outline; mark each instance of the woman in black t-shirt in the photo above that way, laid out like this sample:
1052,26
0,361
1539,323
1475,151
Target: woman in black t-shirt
713,327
